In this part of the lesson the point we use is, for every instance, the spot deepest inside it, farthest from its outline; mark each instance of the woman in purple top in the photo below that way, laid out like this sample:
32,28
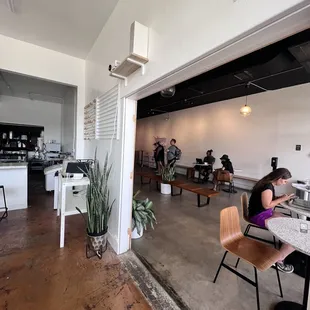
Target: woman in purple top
262,203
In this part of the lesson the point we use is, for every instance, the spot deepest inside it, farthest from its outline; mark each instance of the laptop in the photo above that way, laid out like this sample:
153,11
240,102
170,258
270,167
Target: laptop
199,161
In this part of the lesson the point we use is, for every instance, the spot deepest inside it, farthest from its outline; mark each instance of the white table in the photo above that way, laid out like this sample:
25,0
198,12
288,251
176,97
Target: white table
62,208
288,231
295,208
302,187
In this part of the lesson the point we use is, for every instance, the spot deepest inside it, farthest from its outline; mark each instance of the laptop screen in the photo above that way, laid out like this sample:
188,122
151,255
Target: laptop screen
198,160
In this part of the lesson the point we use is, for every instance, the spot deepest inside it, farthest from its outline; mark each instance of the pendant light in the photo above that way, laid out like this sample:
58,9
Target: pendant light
246,110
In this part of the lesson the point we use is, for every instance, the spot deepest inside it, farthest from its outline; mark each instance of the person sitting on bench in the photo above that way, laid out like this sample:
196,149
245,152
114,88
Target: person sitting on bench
224,174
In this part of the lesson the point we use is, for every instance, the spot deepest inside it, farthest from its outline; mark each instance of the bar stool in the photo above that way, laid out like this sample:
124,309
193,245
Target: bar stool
5,214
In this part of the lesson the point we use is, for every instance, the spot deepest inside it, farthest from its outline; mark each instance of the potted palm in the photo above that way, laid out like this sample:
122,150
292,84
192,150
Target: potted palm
142,215
98,208
167,176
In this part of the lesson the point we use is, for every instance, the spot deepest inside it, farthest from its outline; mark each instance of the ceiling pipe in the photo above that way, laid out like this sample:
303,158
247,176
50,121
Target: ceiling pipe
10,4
234,86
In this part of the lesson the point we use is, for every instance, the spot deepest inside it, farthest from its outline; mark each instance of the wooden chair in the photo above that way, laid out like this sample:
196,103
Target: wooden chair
5,208
261,256
245,215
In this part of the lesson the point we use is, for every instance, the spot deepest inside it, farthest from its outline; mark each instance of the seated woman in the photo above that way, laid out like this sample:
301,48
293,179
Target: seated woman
224,174
262,203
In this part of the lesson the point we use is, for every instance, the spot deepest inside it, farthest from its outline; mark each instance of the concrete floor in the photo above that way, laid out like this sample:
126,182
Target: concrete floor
185,250
36,274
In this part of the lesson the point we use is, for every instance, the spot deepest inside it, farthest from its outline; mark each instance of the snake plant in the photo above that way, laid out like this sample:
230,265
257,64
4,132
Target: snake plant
168,174
142,213
98,198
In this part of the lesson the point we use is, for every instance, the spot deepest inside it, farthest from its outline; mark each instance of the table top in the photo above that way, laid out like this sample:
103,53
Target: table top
201,164
295,208
301,187
74,182
288,231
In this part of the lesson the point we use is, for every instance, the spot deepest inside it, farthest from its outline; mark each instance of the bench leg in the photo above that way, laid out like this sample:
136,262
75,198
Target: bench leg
157,186
199,202
173,194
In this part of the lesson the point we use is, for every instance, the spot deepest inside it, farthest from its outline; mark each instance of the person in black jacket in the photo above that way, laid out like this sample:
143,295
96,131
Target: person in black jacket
159,155
224,174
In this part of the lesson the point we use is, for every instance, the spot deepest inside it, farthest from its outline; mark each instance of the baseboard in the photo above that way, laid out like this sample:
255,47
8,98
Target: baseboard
17,207
113,242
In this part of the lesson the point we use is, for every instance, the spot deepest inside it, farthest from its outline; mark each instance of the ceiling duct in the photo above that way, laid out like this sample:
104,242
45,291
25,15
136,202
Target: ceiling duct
244,75
302,54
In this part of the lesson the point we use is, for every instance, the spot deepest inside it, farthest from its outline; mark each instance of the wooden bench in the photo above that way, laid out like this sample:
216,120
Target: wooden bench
191,187
206,192
196,189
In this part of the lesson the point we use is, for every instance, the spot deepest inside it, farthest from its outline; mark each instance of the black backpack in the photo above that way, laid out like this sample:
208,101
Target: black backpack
178,153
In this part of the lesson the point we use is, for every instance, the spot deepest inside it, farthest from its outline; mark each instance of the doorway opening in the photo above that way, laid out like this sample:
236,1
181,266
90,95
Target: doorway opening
37,131
184,251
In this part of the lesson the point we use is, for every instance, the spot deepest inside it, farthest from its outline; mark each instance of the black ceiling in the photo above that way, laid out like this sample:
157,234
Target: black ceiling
273,67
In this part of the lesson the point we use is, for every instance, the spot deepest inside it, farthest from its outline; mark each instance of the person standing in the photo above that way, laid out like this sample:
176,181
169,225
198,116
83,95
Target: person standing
172,152
262,203
159,155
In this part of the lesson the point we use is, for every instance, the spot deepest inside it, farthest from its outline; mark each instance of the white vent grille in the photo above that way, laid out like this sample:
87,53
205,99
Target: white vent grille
107,114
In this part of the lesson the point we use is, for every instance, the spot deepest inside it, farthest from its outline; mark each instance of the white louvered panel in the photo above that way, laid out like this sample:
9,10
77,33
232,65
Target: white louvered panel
90,121
107,114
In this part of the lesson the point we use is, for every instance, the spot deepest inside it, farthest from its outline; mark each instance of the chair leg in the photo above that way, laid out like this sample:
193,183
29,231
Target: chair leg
274,242
245,233
279,281
237,263
218,271
257,290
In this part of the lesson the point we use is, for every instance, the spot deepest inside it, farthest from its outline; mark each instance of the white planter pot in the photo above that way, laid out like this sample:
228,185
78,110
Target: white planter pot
165,188
135,235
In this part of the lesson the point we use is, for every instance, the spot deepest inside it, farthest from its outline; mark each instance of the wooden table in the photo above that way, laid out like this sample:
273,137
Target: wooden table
288,231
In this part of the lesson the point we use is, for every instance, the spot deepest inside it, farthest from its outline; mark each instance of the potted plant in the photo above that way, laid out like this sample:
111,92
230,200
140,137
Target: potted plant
142,215
167,175
98,208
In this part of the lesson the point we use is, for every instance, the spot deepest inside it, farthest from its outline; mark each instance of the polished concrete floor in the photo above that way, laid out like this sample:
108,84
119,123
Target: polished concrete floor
185,250
36,274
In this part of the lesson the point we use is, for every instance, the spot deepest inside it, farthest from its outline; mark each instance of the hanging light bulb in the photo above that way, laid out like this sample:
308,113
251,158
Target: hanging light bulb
246,110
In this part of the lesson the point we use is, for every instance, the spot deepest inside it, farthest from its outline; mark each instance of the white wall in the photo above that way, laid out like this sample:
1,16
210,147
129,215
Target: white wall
278,122
29,59
32,112
68,121
181,31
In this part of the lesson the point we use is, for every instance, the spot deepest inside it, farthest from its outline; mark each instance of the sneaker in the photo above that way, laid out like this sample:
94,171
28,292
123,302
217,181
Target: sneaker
286,268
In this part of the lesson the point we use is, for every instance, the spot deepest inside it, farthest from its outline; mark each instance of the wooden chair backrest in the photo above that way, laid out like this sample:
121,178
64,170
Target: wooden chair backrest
230,229
245,206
